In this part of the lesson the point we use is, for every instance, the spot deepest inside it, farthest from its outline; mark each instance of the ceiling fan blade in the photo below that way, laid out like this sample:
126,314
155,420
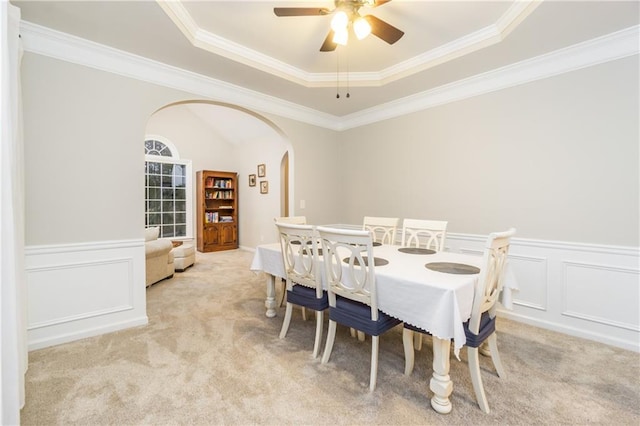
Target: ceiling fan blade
381,29
300,11
328,45
380,2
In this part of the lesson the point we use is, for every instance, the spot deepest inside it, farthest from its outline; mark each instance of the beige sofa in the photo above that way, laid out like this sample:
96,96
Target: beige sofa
159,258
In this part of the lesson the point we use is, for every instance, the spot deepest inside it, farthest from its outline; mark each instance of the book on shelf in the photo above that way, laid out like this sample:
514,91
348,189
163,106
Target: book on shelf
221,183
226,218
211,217
219,195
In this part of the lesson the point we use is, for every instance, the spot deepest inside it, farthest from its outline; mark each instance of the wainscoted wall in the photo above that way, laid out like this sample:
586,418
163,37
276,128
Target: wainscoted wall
584,290
80,290
590,291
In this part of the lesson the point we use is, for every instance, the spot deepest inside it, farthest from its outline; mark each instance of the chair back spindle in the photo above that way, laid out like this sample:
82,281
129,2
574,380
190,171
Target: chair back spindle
383,229
432,232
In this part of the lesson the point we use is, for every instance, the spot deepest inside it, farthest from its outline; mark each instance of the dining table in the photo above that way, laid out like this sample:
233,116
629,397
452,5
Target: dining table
424,288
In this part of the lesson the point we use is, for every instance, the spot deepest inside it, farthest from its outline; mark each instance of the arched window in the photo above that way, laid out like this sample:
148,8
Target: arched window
167,189
153,147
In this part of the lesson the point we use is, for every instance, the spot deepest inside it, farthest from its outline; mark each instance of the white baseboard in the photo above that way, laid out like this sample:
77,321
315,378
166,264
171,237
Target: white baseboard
80,290
571,331
51,339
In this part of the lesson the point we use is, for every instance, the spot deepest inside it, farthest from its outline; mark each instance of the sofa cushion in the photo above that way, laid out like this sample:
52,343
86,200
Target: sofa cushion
151,234
157,248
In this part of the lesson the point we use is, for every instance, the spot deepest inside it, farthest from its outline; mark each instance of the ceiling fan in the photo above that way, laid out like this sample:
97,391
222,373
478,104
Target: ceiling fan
346,12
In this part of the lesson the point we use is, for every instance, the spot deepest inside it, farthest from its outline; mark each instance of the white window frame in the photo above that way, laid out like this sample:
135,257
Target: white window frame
175,159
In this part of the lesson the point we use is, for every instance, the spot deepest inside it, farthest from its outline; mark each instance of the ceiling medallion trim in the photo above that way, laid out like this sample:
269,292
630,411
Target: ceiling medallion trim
480,39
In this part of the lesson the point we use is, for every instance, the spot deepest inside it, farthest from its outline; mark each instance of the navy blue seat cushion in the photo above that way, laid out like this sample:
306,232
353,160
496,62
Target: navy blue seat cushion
487,327
358,315
306,296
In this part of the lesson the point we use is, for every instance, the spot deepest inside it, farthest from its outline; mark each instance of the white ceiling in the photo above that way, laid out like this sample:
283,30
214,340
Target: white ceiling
245,44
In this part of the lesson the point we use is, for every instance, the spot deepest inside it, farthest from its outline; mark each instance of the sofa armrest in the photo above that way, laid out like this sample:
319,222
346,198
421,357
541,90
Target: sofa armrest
157,248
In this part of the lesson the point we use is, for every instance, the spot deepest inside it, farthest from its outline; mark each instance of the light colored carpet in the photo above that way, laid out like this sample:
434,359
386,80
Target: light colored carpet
210,356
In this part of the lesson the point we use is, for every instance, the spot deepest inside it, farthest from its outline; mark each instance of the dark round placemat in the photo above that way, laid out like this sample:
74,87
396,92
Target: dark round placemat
453,268
311,251
377,261
416,250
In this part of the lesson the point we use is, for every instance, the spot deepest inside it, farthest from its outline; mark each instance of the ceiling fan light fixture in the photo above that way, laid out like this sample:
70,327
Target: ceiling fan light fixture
339,21
341,37
361,27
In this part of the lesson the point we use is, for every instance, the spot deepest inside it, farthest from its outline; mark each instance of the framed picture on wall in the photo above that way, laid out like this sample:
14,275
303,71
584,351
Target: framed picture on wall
252,180
262,170
264,187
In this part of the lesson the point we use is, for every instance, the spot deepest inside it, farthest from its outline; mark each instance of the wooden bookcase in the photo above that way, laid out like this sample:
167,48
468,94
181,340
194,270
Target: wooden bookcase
217,210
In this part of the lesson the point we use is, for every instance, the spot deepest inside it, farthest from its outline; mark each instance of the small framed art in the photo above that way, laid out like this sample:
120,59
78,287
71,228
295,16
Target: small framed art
252,180
264,187
262,170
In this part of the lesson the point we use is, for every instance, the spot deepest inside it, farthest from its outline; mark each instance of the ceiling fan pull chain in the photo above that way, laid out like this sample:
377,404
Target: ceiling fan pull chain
348,95
337,75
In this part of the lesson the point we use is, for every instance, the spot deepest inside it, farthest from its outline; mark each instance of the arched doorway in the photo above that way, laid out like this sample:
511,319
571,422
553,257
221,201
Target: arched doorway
217,136
284,185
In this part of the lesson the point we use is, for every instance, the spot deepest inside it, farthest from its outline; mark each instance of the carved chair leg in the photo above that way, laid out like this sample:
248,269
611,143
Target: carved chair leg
331,336
407,342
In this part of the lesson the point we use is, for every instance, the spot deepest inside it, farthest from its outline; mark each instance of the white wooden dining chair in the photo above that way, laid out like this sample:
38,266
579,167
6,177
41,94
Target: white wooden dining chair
430,234
296,220
353,300
300,251
384,229
481,326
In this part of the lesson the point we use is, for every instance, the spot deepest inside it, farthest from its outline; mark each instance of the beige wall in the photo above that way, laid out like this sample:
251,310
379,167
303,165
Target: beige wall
556,158
316,171
194,139
84,156
257,140
82,133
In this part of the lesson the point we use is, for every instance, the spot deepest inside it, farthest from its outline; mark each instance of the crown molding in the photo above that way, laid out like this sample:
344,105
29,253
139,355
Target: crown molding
611,47
58,45
475,41
220,46
55,44
213,43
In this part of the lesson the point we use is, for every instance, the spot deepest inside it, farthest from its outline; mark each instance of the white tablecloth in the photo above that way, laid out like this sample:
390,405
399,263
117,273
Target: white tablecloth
434,301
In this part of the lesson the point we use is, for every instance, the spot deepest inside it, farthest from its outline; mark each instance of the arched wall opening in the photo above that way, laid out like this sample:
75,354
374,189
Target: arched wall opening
284,186
224,137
